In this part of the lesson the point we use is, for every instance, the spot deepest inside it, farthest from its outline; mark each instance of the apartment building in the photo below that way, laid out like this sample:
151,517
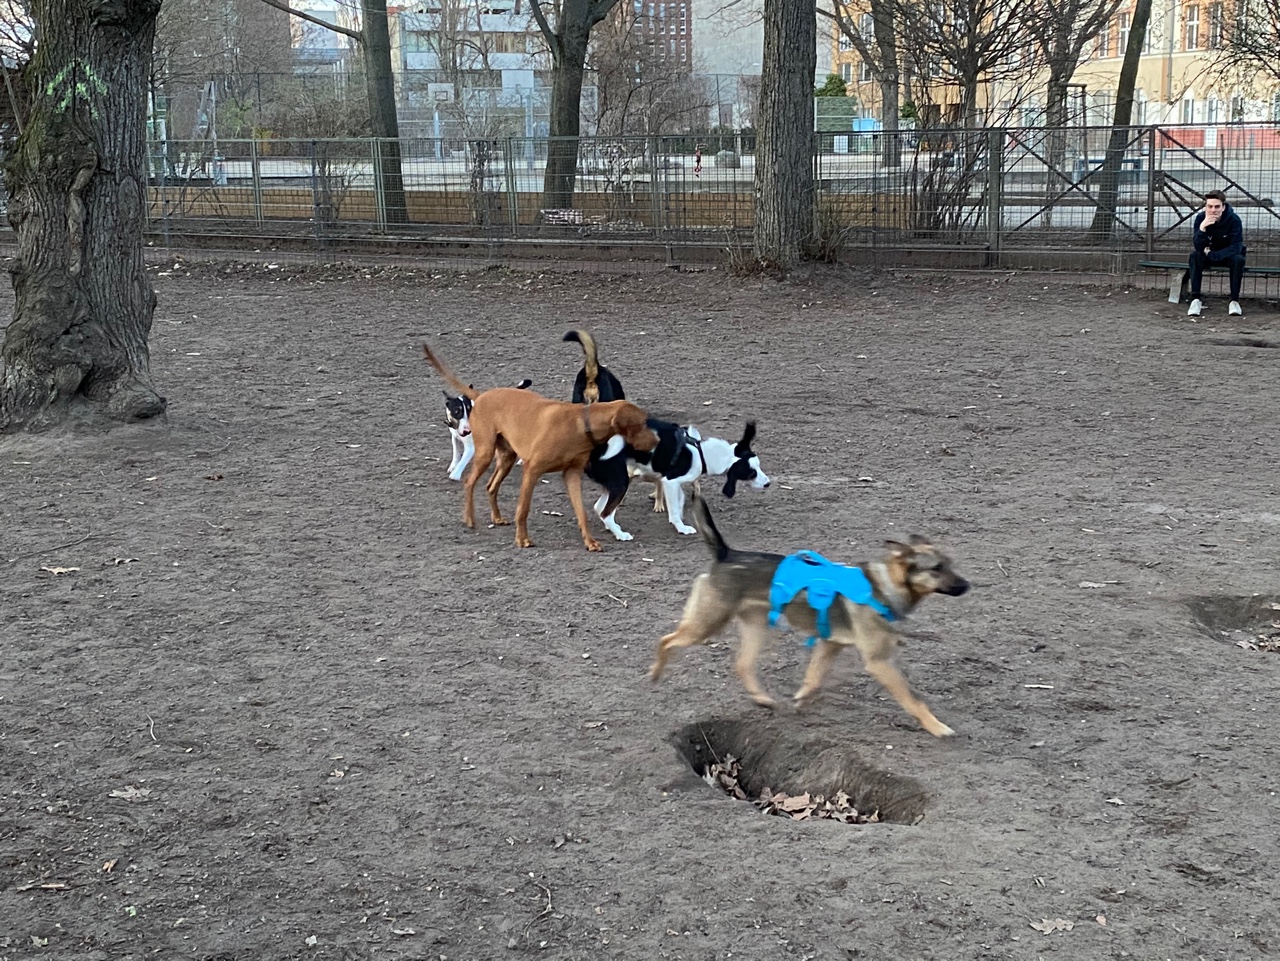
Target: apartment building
441,47
1182,78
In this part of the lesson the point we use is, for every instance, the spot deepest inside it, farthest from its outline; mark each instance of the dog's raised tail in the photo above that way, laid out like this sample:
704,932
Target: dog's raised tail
452,379
590,363
707,527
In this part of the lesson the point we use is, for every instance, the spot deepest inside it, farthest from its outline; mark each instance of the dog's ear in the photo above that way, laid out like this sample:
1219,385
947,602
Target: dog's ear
737,471
447,395
919,542
899,549
743,447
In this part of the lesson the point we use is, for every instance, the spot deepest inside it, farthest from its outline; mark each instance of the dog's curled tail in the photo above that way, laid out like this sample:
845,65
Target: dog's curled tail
707,527
466,390
590,363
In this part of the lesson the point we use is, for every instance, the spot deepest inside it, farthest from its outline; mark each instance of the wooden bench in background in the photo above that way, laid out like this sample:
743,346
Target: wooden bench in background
1178,274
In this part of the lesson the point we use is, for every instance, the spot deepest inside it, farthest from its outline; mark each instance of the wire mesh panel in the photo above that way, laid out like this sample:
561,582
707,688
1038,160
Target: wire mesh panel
1086,197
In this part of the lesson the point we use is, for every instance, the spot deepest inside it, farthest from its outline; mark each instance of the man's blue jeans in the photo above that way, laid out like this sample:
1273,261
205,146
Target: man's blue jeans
1199,263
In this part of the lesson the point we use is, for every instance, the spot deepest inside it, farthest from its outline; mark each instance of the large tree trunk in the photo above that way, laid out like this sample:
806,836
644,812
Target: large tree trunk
890,110
77,180
382,106
1055,116
784,142
1104,218
560,176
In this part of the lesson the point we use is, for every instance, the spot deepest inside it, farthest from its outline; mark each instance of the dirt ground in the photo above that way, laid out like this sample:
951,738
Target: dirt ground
262,696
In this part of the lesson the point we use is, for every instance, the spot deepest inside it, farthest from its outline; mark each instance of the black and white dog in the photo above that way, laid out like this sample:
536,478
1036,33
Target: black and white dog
681,457
457,417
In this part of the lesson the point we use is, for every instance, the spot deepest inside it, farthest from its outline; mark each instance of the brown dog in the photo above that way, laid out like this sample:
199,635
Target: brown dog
548,435
739,586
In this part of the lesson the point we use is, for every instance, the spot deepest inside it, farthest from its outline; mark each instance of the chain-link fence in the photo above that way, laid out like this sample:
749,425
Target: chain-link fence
997,197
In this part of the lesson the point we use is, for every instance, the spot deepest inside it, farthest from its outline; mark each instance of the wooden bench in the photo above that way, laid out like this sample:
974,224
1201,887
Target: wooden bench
1178,274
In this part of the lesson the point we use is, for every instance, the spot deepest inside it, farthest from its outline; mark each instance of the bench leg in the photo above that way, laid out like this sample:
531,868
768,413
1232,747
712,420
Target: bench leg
1177,280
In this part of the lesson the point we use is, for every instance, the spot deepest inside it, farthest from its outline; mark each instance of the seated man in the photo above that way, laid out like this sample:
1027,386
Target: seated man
1217,240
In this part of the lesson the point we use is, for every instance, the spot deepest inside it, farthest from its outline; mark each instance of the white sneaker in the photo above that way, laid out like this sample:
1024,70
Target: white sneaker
1234,309
1195,308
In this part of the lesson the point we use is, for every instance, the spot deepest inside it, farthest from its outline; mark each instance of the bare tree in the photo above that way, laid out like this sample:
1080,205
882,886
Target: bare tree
77,182
566,26
1104,218
1251,40
784,216
1061,29
640,88
878,49
230,45
960,45
374,36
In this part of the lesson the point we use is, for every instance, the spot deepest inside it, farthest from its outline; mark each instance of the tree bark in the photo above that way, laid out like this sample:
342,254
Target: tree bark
568,40
77,181
784,144
382,106
1104,218
882,22
560,177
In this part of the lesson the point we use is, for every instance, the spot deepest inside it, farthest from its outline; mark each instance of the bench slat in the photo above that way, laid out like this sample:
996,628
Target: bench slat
1178,275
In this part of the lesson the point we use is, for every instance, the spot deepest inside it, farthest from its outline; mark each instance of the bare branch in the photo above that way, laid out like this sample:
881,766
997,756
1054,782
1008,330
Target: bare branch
549,35
356,35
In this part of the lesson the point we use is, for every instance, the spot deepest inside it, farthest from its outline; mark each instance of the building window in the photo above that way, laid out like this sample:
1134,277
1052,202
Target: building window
1146,39
864,73
1188,111
1191,41
867,27
1211,111
1215,27
845,44
1102,45
1124,34
846,72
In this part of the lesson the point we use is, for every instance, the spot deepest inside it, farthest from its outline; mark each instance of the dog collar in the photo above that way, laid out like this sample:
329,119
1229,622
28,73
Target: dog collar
586,426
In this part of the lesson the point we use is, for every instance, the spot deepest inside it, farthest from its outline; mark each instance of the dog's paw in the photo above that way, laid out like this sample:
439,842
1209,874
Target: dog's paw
593,546
455,475
764,700
622,535
685,529
941,730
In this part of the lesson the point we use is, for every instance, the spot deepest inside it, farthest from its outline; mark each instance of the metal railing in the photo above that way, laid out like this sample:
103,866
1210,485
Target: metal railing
1022,197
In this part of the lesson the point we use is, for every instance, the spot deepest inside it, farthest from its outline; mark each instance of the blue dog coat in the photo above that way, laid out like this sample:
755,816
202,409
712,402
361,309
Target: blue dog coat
823,579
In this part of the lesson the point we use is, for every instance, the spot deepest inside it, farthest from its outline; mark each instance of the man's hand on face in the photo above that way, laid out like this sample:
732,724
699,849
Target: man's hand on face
1212,213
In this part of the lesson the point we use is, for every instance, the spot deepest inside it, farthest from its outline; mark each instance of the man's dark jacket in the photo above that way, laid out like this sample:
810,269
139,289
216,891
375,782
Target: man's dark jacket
1225,239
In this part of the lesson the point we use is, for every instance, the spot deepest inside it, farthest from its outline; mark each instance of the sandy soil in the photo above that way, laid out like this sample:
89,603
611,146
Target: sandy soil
262,695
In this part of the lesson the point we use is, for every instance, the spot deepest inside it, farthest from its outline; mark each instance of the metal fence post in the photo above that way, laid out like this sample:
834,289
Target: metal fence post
255,168
995,192
513,194
379,185
317,205
655,205
1151,191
